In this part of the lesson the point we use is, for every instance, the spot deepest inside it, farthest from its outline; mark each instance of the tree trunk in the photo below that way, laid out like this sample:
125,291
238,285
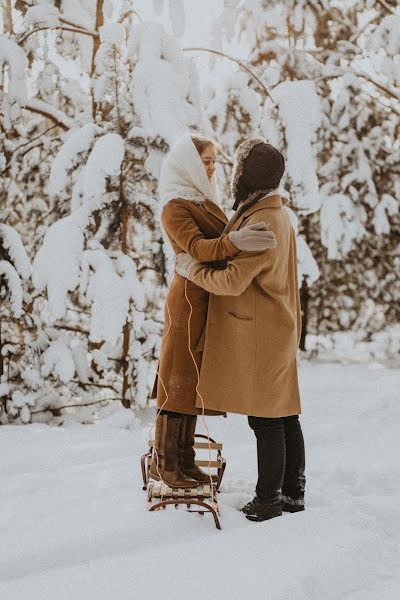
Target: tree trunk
127,327
7,17
96,45
304,299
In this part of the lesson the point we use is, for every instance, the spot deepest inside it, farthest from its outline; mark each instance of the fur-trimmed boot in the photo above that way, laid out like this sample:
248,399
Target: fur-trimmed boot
165,464
186,451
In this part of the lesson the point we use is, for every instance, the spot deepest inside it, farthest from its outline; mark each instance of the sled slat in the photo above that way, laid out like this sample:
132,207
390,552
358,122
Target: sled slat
198,445
213,464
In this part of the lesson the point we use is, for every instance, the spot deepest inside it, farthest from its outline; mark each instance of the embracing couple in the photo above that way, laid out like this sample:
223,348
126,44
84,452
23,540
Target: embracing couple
232,320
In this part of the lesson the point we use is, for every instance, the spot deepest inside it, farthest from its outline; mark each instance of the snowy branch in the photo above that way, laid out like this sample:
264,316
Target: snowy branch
48,111
238,62
61,28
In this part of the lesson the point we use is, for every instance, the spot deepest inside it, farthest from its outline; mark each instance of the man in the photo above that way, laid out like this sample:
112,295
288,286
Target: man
252,333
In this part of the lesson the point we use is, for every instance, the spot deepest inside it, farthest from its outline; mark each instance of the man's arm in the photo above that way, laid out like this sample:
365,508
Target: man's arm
233,280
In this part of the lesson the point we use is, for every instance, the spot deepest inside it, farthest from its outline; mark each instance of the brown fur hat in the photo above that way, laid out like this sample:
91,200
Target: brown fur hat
258,169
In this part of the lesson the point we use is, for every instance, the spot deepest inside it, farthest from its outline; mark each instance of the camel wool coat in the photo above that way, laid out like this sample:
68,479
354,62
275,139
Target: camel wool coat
254,323
195,228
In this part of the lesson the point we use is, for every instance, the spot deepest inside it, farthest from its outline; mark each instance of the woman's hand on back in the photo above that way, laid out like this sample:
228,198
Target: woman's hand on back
253,238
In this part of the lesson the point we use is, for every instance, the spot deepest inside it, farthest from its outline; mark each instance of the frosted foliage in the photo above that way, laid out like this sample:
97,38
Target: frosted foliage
20,404
14,286
42,16
177,17
248,98
4,389
299,108
269,127
110,290
306,263
77,141
113,33
12,243
341,225
388,206
80,357
158,6
386,35
56,265
159,84
16,96
104,161
58,358
225,24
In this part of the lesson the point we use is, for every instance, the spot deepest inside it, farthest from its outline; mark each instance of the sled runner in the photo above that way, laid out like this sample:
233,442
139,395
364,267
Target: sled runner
203,496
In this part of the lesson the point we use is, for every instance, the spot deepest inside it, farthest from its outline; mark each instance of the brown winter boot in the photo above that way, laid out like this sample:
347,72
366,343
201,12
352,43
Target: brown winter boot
165,464
186,451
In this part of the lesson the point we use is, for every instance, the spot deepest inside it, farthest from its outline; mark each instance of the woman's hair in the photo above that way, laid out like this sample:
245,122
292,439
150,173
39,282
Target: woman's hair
201,142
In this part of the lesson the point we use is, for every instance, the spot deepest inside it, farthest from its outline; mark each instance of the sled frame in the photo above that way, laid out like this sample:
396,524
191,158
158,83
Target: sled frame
190,499
219,463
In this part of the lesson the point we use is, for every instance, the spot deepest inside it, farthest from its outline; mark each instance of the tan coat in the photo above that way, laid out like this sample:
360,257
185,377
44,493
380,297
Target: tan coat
195,229
254,323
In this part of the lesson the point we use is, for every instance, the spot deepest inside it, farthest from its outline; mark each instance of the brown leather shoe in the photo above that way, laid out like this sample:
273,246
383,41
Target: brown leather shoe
165,464
186,453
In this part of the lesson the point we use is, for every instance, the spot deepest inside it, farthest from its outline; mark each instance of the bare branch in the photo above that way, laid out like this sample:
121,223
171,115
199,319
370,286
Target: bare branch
386,7
82,31
57,408
238,62
48,115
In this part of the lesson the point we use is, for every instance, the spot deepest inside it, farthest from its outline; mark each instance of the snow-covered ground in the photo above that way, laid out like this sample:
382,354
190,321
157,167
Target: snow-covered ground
74,524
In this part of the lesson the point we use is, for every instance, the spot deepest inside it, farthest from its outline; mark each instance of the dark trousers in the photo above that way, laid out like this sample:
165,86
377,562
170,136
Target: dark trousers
280,457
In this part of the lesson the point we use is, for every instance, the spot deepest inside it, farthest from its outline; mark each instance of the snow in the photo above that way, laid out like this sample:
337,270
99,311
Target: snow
43,16
386,35
56,265
40,106
109,293
159,83
299,108
12,242
16,95
77,141
341,224
104,161
74,520
388,206
58,358
14,286
177,17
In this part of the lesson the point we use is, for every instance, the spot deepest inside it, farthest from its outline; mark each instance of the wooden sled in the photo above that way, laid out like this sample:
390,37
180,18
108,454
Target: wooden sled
204,496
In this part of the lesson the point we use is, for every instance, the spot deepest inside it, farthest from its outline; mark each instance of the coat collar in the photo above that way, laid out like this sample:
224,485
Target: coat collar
274,201
215,210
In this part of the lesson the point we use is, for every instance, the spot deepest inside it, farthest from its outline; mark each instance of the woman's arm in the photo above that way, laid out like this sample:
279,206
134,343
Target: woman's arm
182,228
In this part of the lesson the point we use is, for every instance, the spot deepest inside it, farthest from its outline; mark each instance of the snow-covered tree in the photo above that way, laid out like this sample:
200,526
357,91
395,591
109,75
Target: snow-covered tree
94,103
326,79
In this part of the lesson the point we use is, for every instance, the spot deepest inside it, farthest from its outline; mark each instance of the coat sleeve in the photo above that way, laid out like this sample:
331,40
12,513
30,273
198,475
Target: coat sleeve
182,228
237,276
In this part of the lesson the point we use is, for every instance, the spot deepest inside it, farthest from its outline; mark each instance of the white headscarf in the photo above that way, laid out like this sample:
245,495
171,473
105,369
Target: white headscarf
183,174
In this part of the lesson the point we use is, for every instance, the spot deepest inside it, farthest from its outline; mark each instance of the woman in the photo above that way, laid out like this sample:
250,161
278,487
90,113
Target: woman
193,223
